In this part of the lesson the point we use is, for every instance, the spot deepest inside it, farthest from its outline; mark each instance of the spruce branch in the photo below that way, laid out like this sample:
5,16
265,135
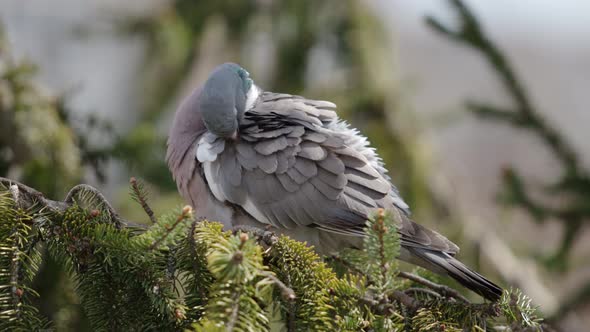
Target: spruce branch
30,198
228,281
185,213
84,192
139,194
19,263
380,229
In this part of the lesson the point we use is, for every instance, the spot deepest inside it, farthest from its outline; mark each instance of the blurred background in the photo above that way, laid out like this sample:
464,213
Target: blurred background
482,120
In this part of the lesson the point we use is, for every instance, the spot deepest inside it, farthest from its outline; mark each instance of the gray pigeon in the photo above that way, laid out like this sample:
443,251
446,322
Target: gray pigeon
243,156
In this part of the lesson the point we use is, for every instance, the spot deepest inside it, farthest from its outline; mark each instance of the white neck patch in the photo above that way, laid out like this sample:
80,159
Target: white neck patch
253,94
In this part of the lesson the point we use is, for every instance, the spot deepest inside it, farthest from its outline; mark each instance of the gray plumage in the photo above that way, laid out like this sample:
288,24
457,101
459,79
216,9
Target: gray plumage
292,164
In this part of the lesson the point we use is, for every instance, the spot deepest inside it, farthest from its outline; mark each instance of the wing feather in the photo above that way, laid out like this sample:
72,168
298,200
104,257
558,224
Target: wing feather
295,164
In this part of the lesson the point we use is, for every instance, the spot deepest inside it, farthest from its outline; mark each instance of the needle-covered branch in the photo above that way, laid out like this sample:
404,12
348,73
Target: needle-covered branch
181,273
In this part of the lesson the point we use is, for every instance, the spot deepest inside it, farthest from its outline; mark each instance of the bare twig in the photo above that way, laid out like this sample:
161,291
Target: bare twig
418,290
142,199
409,302
442,289
286,292
267,237
28,196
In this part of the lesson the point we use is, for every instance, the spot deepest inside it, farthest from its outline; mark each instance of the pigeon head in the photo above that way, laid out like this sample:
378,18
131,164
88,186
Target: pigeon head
223,99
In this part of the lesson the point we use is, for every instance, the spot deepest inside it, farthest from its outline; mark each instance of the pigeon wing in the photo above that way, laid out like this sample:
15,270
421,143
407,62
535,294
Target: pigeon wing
292,167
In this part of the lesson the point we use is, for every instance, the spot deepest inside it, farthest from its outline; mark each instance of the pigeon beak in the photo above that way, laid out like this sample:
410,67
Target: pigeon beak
234,136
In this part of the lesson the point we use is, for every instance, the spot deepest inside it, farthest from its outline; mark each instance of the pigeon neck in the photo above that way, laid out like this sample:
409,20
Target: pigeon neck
252,96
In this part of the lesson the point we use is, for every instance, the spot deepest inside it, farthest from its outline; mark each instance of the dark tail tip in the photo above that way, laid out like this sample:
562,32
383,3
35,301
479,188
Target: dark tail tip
473,280
461,273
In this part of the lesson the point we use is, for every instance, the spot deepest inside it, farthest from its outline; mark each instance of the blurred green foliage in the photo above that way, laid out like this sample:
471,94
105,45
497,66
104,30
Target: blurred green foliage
35,141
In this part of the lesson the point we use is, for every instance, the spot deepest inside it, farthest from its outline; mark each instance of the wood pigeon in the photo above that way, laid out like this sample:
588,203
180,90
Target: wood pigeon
244,156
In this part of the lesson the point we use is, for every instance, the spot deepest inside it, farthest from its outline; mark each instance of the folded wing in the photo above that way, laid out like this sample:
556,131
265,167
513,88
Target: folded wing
296,164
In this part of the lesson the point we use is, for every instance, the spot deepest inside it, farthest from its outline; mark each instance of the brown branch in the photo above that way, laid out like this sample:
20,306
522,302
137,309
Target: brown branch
29,198
267,237
417,290
409,302
442,289
287,293
142,199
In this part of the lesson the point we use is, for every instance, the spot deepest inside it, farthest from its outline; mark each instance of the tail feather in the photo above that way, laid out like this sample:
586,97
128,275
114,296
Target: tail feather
443,263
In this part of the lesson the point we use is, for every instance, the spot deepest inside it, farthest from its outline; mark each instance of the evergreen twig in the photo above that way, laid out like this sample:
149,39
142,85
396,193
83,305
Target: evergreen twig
380,229
141,197
71,197
14,275
185,213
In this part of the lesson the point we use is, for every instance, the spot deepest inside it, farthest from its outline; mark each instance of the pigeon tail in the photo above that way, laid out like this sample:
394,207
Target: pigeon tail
445,263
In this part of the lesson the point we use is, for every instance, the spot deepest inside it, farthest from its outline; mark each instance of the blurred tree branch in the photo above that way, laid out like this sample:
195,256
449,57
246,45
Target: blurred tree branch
574,180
